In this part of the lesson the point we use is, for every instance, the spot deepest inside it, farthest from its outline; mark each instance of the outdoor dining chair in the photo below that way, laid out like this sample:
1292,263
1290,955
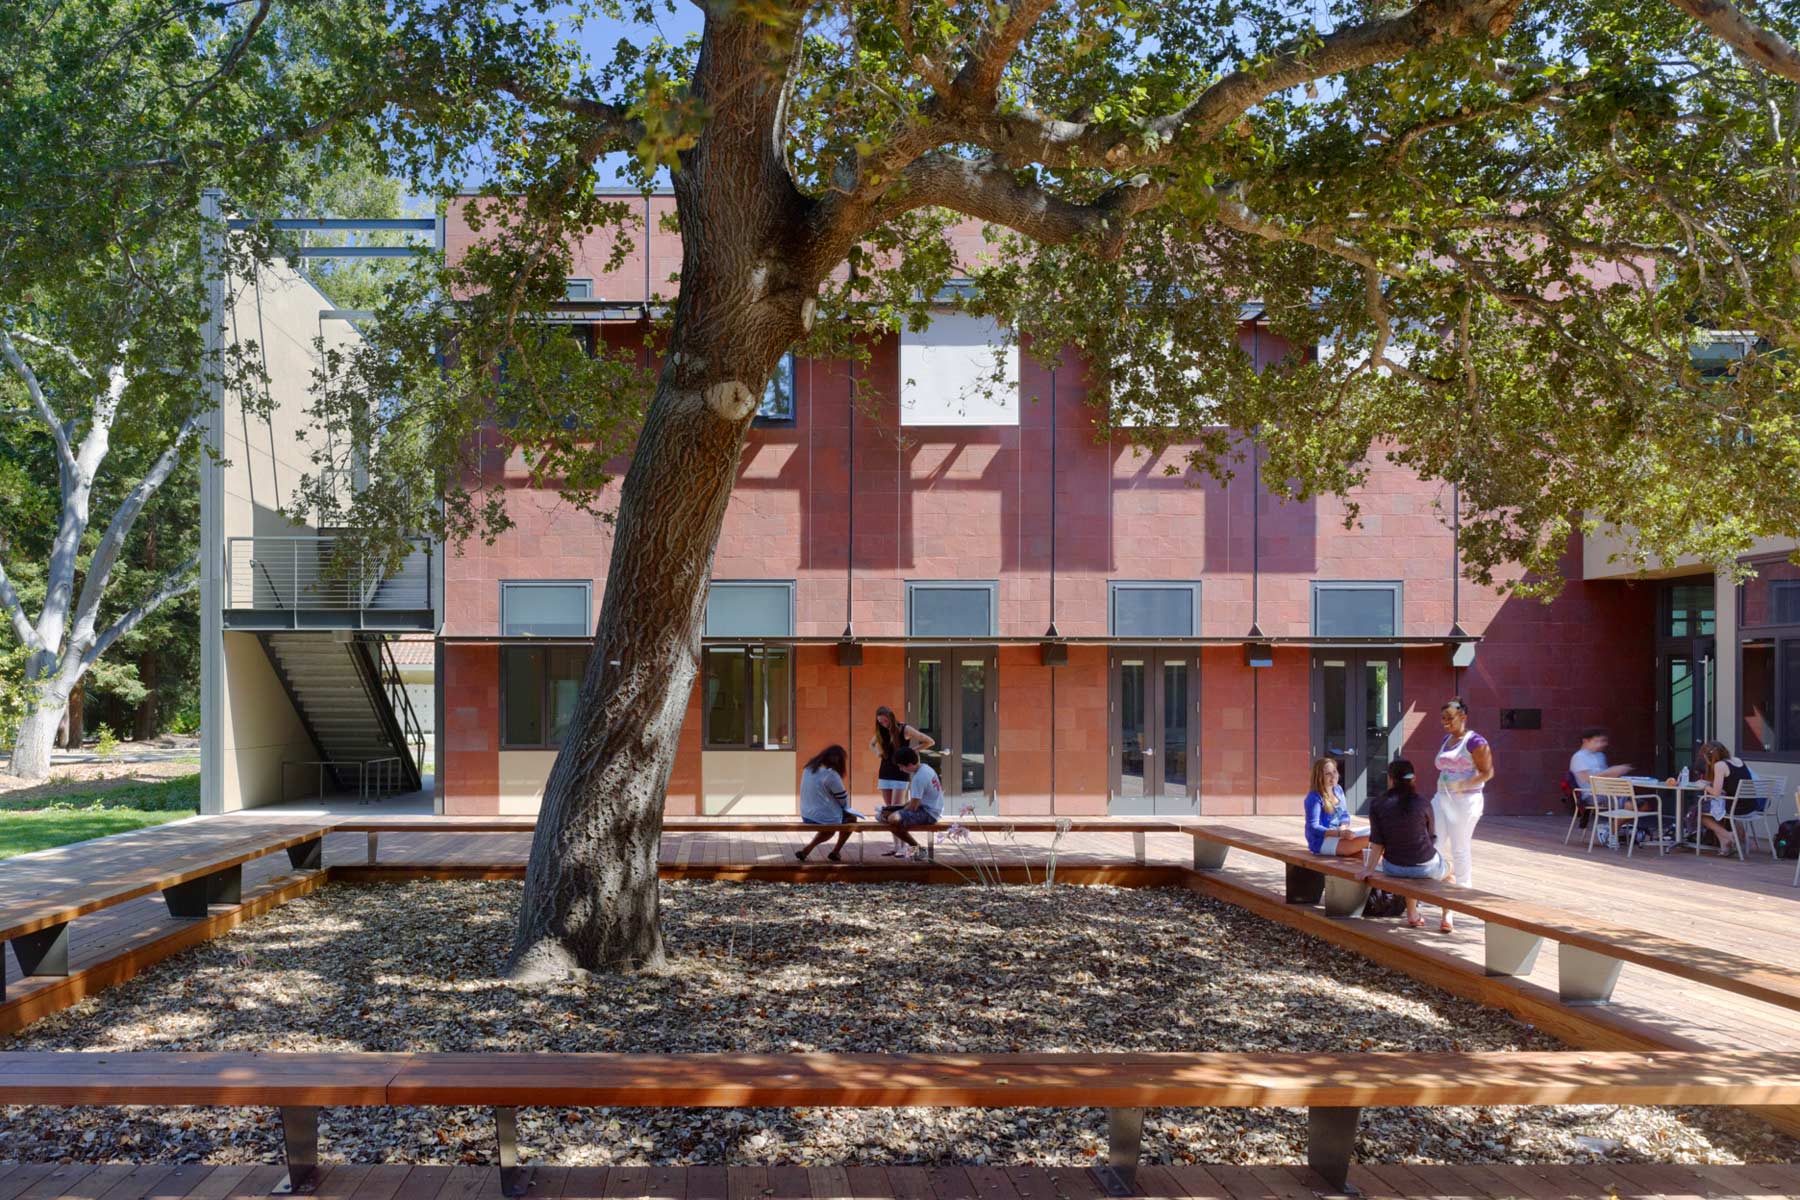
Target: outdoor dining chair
1755,822
1583,802
1615,802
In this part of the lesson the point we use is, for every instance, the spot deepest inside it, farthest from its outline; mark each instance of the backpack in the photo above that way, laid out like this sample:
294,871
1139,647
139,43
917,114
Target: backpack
1787,840
1383,904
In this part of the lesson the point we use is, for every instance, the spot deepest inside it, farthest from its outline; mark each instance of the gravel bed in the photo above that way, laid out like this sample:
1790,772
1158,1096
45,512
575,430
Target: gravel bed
851,968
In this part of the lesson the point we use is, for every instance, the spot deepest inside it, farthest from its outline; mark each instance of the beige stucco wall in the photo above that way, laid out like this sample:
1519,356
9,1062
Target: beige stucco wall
747,783
260,731
523,774
1604,555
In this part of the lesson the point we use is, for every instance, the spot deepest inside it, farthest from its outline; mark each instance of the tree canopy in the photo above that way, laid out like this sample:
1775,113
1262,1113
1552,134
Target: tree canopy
1508,225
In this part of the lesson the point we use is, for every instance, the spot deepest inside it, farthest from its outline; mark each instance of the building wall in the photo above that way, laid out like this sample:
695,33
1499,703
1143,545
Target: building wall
260,732
851,504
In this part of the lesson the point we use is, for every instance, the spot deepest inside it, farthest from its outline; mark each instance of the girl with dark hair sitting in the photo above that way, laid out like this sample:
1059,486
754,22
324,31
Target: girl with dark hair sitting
1403,836
824,800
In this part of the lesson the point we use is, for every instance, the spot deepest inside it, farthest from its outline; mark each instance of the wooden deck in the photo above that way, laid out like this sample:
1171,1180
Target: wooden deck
1746,907
1377,1181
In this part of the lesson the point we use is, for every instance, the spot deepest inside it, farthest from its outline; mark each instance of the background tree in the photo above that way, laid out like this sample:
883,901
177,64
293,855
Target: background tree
1507,223
114,116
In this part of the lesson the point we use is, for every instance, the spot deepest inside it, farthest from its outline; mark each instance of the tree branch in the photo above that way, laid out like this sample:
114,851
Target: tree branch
35,390
15,611
233,57
106,554
1760,45
182,579
985,189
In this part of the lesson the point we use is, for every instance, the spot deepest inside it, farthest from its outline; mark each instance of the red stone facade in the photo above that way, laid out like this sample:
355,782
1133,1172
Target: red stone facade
850,506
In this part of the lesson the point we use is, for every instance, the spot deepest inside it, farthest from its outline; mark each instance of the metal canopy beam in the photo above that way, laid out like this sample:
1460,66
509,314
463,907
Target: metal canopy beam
341,224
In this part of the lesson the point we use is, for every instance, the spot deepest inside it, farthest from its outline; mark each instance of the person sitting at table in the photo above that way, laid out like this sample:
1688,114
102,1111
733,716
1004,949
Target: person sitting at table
1590,760
1723,778
1328,829
1403,838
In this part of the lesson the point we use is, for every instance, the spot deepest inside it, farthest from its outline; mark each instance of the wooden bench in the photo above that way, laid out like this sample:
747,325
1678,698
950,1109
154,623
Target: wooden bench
190,880
1137,827
1590,953
1334,1088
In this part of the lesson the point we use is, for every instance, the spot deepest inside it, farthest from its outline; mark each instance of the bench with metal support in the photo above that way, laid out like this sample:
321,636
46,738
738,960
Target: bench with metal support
1590,953
1137,827
190,881
1334,1088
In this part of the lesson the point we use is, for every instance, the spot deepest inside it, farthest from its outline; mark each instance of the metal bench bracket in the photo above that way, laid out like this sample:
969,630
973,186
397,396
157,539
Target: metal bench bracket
300,1145
1330,1143
514,1179
1511,951
45,952
189,900
1345,897
1137,847
309,855
1304,885
1584,977
1124,1143
1209,856
374,847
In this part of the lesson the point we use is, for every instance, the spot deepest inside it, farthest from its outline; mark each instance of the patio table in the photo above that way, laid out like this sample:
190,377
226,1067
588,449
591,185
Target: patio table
1657,788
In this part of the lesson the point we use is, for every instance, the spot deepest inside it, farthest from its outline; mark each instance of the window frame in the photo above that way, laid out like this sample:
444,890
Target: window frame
543,647
1116,586
1394,587
756,652
587,605
990,586
1783,639
790,364
713,588
583,282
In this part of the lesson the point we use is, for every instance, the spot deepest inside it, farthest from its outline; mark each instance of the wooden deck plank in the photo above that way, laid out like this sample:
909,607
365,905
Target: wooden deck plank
382,1181
746,1183
787,1182
951,1182
829,1183
909,1183
589,1183
26,1177
628,1183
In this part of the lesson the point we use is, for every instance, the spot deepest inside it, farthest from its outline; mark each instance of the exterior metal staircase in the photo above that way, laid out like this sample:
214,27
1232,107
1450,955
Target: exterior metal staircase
348,694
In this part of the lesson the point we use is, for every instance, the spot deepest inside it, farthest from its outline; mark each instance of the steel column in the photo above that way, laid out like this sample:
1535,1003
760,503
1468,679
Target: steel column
1209,856
300,1145
1583,977
1124,1144
1304,885
189,900
308,855
1330,1142
1511,951
1344,897
514,1179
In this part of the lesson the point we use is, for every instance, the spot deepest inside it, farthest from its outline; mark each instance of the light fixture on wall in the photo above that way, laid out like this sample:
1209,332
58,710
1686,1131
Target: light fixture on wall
849,653
1055,654
1259,654
1462,647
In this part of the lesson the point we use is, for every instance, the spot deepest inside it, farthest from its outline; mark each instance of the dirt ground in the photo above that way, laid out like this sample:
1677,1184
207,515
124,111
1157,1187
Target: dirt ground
168,757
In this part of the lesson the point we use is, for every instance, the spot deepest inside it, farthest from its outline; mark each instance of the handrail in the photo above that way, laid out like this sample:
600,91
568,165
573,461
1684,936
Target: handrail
302,572
401,703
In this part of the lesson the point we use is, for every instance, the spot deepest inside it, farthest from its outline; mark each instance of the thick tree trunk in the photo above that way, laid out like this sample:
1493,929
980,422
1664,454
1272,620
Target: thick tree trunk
145,720
74,719
34,741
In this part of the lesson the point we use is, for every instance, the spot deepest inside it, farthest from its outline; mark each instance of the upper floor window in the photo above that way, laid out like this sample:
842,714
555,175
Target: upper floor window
750,608
1154,610
960,370
778,397
1359,609
578,289
546,608
1688,610
952,608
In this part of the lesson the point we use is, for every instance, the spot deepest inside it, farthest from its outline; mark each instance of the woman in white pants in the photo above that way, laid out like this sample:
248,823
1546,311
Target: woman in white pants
1465,763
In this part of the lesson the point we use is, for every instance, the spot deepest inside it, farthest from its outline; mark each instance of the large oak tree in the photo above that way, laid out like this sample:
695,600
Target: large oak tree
1509,225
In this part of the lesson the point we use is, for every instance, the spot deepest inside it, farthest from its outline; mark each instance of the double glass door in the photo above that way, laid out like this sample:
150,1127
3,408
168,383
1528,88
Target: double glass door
1684,703
1155,719
1356,719
951,697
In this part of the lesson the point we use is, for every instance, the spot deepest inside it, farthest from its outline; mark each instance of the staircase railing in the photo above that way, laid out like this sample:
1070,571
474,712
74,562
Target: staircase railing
305,572
401,703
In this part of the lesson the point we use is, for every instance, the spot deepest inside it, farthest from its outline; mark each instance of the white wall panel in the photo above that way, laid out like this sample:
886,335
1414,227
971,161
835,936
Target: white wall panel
963,370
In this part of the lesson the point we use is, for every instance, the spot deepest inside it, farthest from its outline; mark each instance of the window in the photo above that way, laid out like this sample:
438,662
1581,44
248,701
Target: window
578,289
951,608
961,370
1155,610
1768,653
750,608
747,697
1784,599
1355,609
1688,610
545,608
778,397
538,689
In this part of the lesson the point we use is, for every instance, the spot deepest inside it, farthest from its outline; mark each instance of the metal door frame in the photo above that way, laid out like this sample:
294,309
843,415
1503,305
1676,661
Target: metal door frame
1701,653
1357,659
951,776
1153,802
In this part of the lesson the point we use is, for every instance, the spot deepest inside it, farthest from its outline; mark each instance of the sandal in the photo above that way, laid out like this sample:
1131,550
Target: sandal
800,854
1416,921
892,854
833,856
1445,926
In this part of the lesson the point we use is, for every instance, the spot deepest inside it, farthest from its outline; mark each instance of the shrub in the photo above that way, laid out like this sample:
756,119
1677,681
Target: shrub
106,742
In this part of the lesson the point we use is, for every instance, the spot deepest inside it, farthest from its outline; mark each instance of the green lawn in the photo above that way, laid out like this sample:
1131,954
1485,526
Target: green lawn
37,821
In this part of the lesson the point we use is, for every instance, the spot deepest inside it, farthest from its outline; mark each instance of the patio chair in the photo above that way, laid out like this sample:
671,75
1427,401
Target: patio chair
1583,801
1615,802
1765,792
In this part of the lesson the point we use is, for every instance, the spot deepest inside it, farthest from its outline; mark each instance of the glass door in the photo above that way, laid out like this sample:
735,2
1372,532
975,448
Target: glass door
1356,718
1684,705
1155,719
951,697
